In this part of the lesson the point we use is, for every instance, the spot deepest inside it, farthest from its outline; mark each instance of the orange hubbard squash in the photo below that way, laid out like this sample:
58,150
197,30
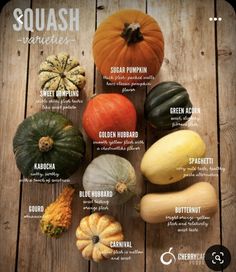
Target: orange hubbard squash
108,113
128,38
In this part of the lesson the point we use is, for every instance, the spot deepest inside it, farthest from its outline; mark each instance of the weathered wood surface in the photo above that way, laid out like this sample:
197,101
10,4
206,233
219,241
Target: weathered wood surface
226,45
13,76
62,254
133,227
191,59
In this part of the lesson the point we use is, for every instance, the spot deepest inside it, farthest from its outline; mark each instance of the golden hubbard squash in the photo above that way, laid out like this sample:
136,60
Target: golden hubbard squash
94,235
61,73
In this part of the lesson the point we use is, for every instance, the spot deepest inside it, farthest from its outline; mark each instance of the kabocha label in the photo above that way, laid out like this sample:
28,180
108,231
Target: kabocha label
44,166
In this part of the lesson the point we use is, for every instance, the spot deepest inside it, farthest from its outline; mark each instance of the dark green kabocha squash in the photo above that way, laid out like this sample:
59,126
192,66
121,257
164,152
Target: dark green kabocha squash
159,102
47,145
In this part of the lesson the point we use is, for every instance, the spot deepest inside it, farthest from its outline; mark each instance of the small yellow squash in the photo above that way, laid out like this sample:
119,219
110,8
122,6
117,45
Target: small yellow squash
155,207
94,235
167,160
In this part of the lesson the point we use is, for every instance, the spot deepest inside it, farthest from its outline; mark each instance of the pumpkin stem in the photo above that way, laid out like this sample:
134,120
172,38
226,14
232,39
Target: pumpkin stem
95,239
45,144
62,75
121,187
131,33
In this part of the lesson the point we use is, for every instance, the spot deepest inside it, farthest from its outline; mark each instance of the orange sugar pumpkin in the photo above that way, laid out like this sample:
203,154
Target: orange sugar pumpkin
127,40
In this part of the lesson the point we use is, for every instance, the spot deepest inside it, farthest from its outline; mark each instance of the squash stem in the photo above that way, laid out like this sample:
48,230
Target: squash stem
121,187
45,144
62,75
131,33
95,239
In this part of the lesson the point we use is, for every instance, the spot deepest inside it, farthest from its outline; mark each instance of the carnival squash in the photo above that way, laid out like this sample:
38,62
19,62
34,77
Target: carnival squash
126,42
167,160
163,101
62,74
111,173
47,145
57,216
94,235
198,199
107,116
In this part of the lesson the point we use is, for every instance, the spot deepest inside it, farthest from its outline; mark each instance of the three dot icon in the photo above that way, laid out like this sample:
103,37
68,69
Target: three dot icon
215,19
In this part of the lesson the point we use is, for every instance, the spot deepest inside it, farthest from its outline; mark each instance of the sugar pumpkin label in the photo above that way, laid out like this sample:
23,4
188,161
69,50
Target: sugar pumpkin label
131,70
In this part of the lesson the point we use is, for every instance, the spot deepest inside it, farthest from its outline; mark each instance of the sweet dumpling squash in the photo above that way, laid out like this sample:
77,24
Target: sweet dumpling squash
60,73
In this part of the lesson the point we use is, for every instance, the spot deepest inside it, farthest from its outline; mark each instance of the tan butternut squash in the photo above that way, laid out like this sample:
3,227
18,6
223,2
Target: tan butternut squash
155,207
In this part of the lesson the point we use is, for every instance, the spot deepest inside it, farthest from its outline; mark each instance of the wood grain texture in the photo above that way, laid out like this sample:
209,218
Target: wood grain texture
13,66
226,45
189,60
126,214
56,254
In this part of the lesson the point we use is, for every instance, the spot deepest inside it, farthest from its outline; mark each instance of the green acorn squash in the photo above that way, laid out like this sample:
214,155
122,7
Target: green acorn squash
159,102
47,145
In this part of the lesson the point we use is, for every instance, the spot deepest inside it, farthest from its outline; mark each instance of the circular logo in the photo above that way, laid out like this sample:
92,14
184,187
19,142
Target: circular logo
168,257
217,257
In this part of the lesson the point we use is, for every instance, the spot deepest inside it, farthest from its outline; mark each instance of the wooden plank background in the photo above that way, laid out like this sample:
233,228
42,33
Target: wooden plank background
58,255
13,58
190,60
226,45
199,54
126,214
